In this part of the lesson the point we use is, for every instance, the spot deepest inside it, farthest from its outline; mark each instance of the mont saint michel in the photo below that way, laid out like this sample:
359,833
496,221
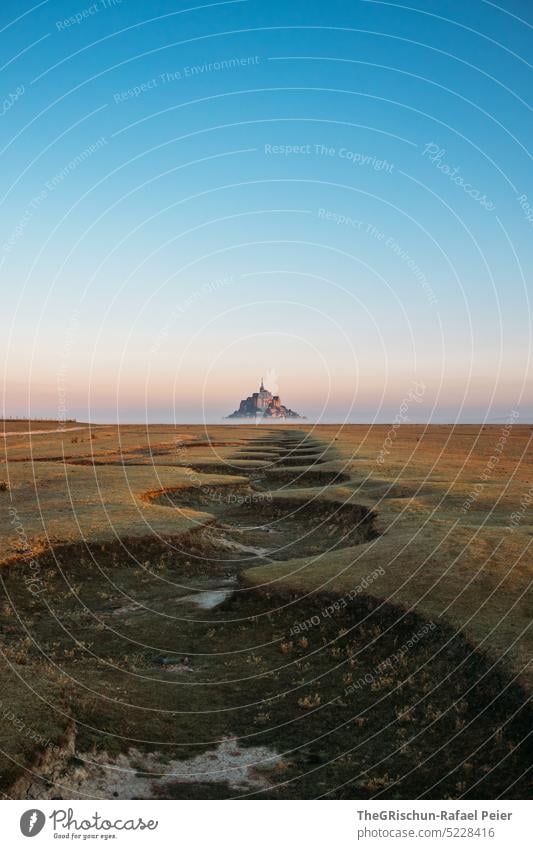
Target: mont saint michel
263,404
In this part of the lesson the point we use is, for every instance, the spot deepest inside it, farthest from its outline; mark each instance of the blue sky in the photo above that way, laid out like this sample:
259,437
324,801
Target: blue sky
338,195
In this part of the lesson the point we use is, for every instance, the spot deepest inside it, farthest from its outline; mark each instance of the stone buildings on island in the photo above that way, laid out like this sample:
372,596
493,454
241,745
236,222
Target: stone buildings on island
263,404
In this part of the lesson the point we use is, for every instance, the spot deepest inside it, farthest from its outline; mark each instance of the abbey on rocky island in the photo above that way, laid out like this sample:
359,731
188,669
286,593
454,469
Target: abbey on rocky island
263,404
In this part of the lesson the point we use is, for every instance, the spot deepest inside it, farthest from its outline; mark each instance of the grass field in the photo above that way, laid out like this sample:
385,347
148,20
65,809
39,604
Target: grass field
283,611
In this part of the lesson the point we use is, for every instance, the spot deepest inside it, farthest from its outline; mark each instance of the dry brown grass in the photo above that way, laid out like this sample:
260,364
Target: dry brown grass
470,568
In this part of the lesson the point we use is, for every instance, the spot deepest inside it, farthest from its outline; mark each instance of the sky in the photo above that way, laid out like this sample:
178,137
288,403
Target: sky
336,196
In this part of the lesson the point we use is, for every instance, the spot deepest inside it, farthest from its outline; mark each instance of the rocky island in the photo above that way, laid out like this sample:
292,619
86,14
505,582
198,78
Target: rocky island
263,404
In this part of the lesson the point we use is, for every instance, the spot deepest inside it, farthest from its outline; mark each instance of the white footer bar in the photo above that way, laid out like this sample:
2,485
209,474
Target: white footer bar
267,824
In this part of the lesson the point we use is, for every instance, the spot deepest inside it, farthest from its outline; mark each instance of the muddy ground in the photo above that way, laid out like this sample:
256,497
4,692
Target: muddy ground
153,669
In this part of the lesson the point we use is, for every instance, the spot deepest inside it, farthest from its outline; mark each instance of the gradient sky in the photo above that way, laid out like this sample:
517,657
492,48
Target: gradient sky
333,195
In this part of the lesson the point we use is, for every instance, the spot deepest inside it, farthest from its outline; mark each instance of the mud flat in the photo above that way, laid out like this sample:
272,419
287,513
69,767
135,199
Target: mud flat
165,671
